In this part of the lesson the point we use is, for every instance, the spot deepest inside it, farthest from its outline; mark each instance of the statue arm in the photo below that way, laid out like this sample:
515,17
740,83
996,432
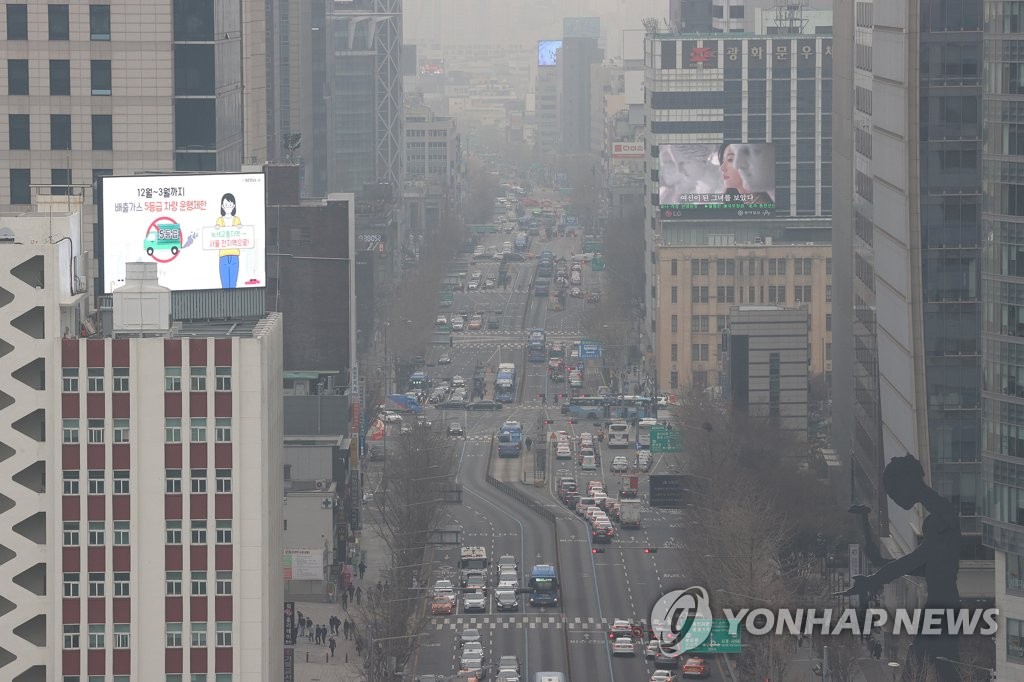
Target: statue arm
870,545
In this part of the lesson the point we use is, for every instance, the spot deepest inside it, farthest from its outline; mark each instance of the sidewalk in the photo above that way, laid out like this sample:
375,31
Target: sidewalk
347,665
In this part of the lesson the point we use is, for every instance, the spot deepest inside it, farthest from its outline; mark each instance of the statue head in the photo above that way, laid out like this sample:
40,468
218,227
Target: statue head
903,479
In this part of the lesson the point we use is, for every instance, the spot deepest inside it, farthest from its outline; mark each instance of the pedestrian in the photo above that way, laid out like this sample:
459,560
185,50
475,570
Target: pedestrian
344,600
387,586
309,629
380,587
345,628
316,636
335,624
333,644
529,443
362,568
302,624
351,592
359,596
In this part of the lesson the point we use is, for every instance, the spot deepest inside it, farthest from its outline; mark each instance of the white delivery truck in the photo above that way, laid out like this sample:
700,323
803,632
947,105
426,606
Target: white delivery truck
629,512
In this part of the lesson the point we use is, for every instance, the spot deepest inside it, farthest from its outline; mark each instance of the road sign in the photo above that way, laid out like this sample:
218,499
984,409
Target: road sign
590,350
720,641
666,491
571,221
664,439
597,264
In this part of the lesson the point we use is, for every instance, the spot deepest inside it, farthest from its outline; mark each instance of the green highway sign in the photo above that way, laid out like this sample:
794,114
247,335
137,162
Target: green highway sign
597,264
664,439
719,641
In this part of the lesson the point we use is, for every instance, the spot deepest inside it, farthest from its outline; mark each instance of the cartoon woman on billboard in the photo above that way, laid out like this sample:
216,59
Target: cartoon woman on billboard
228,257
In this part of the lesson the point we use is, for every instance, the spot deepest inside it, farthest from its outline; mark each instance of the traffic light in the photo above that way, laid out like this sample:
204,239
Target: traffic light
597,550
650,550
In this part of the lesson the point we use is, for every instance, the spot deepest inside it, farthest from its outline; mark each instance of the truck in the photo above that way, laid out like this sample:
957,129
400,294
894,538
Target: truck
510,439
505,383
629,486
629,512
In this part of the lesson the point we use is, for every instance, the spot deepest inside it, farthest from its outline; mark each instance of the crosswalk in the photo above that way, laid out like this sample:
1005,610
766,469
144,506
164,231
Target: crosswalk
520,622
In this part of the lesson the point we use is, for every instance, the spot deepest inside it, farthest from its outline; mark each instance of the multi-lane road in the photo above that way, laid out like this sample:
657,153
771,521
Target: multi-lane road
622,582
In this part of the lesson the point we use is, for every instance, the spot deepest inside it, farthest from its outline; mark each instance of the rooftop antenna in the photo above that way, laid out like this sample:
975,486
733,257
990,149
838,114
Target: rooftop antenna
789,16
651,24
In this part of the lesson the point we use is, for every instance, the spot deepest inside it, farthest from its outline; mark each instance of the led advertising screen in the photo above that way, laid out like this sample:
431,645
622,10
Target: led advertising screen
547,52
717,180
202,231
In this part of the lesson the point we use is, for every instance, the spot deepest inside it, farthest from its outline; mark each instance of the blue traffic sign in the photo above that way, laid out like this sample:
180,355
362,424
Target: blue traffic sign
590,350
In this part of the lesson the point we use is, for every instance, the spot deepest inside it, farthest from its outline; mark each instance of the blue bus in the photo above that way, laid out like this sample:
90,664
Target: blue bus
419,381
543,585
537,346
510,439
630,407
586,407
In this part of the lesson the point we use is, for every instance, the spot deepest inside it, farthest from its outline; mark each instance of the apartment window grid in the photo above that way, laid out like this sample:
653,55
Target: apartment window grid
172,583
674,352
223,429
721,323
173,635
101,81
69,379
122,585
197,586
223,480
95,380
70,478
172,481
699,352
198,480
172,532
120,373
725,266
99,22
674,267
198,529
197,379
802,266
699,294
58,22
224,532
726,294
122,482
699,323
172,379
674,294
198,631
1015,639
72,636
172,430
828,293
121,431
674,324
95,431
97,584
197,430
70,431
699,267
70,538
802,294
828,266
122,533
224,634
71,581
223,378
673,379
223,583
97,481
97,636
777,294
122,636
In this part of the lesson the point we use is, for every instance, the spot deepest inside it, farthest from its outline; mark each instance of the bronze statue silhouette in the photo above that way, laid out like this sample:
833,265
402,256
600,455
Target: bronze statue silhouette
936,559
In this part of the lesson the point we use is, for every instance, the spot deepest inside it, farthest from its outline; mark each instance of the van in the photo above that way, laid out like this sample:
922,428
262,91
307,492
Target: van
589,463
618,435
583,503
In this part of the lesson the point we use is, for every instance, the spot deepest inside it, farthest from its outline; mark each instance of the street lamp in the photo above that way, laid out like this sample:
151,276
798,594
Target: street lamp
894,666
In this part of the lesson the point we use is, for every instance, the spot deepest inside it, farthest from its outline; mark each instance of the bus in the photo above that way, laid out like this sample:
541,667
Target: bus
586,407
630,407
643,433
618,435
510,439
543,585
536,347
472,560
419,381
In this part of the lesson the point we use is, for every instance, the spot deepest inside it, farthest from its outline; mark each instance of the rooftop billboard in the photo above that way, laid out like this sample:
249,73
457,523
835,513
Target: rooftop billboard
202,231
547,52
717,180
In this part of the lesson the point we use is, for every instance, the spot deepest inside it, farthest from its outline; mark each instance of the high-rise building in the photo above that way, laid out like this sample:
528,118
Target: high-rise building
579,53
909,235
94,431
1002,432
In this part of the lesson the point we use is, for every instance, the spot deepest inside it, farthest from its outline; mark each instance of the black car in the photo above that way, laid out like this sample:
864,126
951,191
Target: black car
506,600
485,405
451,405
514,257
455,430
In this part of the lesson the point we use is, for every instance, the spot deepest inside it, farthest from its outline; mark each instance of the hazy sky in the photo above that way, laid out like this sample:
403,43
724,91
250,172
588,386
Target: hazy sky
520,22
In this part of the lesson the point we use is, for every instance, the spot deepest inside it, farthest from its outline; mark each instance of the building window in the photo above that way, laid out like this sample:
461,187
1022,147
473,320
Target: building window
101,80
828,293
96,431
60,77
223,480
198,584
17,22
58,22
71,584
122,636
197,430
223,583
699,378
99,22
673,379
1015,639
102,132
173,638
121,482
121,431
802,294
17,77
774,384
120,377
198,532
122,586
96,380
172,481
699,295
97,533
60,132
172,379
96,479
18,131
223,426
674,294
699,323
674,323
802,266
828,266
96,633
675,352
699,266
69,380
173,532
96,584
726,294
172,430
172,583
198,634
223,378
60,178
71,533
70,431
726,266
721,323
223,634
197,378
674,264
224,532
122,533
198,477
71,632
698,352
70,482
20,186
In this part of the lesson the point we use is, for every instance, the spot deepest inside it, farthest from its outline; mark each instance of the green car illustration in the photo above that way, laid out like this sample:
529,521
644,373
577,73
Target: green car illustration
163,238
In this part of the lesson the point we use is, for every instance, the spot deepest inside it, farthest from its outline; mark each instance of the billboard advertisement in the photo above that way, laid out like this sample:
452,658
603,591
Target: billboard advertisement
628,150
202,231
717,180
303,564
547,52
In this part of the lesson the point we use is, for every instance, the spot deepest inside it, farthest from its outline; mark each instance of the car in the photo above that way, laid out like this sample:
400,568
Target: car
458,382
455,430
506,600
405,429
451,405
485,405
576,292
652,649
443,588
507,676
506,563
442,606
619,465
458,324
563,451
489,283
508,580
694,667
445,359
479,250
469,635
623,646
473,285
666,661
510,663
476,322
441,320
498,256
588,463
663,676
476,275
390,417
476,581
423,421
515,257
473,649
620,628
474,601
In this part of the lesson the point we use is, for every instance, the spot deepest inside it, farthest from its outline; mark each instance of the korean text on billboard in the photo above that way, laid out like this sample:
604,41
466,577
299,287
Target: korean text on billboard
202,231
717,181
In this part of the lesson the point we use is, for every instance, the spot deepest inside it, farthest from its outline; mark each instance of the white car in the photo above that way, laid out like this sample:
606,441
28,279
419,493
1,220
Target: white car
488,283
619,465
443,588
479,251
474,601
589,463
473,285
445,359
442,319
458,324
468,636
390,417
508,581
458,382
623,646
507,564
477,274
663,676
